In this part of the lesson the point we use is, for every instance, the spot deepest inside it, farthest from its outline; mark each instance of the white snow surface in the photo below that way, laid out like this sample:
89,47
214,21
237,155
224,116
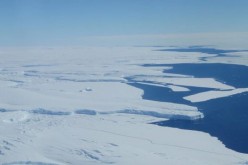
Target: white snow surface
73,105
189,81
204,96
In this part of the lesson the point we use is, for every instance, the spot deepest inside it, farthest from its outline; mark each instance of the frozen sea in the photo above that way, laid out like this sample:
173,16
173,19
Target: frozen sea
123,105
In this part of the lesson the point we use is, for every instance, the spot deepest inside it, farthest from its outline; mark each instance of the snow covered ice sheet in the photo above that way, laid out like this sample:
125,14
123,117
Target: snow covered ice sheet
74,105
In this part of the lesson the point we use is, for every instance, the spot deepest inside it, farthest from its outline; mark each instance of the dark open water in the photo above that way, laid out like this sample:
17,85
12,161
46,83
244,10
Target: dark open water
225,118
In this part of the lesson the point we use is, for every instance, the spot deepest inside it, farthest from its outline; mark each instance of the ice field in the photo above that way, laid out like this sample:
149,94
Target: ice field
77,105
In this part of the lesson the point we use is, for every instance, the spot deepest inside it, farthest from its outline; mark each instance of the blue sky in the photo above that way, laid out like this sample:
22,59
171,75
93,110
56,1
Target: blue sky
58,22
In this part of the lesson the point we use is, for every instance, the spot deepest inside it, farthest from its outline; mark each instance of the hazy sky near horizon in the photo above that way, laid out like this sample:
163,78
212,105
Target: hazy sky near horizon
28,22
